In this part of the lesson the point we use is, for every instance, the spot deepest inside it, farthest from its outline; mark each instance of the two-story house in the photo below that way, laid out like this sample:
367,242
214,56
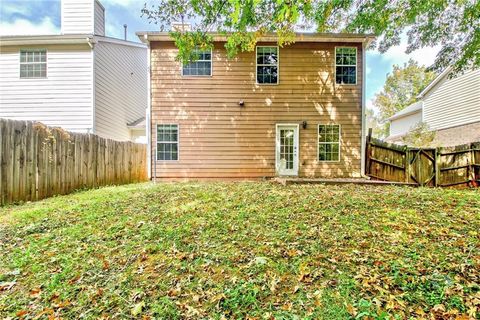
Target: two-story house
296,110
79,80
450,106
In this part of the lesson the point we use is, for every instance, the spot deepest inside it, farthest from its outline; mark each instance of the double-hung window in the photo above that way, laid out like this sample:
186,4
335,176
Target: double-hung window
345,65
33,63
167,142
200,67
267,65
328,142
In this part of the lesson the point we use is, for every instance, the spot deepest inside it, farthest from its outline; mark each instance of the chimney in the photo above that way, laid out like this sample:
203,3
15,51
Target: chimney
82,17
181,27
125,32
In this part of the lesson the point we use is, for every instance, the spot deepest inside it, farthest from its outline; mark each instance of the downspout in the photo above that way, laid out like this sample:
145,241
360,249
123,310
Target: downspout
149,111
363,132
91,42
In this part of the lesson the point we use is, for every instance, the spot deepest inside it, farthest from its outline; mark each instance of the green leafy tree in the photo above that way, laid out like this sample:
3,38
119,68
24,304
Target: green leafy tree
401,89
373,123
452,24
420,136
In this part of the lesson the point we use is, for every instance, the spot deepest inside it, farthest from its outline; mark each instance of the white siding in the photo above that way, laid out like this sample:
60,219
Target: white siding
64,98
77,16
402,125
121,88
99,19
453,102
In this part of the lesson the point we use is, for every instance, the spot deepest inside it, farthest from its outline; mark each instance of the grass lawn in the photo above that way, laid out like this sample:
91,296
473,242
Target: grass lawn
243,251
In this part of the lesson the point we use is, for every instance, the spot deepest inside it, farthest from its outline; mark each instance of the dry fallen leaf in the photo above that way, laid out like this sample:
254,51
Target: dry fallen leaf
5,286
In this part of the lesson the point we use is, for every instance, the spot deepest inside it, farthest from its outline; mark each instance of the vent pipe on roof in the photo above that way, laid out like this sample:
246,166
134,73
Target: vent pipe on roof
125,32
181,27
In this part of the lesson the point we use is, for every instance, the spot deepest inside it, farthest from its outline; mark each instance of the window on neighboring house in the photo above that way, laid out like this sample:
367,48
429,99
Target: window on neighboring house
267,65
345,65
167,142
328,142
33,63
201,67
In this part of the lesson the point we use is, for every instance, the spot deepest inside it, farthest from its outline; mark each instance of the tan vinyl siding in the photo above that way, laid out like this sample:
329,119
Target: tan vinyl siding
64,98
218,138
120,88
453,102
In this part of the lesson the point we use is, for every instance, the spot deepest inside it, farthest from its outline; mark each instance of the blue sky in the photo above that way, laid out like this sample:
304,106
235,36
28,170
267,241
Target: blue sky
43,17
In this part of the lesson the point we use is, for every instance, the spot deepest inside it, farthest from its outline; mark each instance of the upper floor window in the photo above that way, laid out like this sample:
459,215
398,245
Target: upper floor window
345,65
267,65
202,66
33,63
328,142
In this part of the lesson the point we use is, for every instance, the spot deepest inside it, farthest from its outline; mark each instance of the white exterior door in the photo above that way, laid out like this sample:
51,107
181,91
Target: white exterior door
286,159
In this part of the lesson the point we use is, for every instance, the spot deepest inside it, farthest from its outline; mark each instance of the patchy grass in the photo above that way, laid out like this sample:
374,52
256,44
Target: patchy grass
243,250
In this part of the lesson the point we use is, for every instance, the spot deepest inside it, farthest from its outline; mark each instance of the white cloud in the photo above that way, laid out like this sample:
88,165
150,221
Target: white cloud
7,9
369,105
368,70
396,55
123,3
25,27
424,56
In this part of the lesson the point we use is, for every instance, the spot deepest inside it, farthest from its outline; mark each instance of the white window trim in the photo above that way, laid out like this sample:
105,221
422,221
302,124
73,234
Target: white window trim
278,66
344,65
339,142
21,63
157,142
200,75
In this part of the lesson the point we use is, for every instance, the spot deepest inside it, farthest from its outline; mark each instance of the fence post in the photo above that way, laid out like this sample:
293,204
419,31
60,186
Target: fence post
438,156
471,174
407,164
367,151
475,147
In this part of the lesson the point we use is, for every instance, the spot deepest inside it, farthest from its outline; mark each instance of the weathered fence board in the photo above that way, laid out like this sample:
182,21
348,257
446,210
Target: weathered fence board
459,165
38,162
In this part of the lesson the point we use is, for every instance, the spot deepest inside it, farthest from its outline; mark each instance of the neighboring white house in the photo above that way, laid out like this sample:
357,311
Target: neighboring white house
79,80
449,106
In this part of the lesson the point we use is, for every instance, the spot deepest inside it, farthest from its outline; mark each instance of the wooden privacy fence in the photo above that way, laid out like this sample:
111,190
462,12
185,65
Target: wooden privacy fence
442,167
38,162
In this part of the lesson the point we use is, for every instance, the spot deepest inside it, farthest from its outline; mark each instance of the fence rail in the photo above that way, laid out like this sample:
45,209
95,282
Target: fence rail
443,167
37,162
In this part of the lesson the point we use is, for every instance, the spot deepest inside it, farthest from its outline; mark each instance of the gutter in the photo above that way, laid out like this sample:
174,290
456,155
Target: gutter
91,43
148,121
363,130
272,37
45,40
119,42
409,113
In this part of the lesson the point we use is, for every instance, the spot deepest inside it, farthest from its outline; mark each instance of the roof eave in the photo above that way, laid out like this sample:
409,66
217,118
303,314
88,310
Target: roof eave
146,37
119,41
395,117
434,82
46,39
